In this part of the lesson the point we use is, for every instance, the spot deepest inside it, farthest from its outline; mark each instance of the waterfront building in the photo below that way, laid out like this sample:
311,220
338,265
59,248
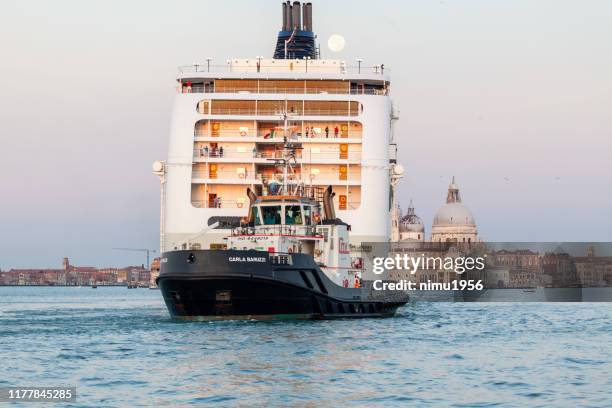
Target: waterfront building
71,275
593,271
523,267
155,268
560,269
497,277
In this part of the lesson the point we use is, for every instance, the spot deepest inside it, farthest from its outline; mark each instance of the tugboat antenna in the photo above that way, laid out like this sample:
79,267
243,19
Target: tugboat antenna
288,153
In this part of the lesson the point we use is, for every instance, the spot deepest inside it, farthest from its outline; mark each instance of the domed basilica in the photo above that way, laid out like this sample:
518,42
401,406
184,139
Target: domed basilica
411,227
454,222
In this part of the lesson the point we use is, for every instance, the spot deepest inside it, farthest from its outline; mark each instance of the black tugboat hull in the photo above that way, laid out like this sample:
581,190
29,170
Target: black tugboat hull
226,285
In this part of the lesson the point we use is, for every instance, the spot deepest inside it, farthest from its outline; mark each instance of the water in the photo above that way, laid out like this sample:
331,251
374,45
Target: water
119,348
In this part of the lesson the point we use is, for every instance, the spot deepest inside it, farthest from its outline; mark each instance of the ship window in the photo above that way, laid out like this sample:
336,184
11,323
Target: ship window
307,215
293,215
255,215
271,214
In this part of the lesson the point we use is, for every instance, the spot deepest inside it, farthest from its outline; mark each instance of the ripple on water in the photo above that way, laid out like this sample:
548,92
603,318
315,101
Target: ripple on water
113,341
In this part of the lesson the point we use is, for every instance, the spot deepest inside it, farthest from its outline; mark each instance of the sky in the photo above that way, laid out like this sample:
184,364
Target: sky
514,98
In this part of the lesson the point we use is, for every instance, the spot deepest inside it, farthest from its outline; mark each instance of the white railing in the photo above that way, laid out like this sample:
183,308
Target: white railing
239,204
249,177
274,112
305,156
266,134
220,203
283,91
298,68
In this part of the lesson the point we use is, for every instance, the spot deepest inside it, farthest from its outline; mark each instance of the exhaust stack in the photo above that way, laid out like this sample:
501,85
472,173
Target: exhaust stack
285,25
296,39
307,16
328,204
296,13
252,198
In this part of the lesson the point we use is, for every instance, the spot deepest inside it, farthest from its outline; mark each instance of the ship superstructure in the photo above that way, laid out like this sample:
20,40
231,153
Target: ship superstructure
227,130
275,167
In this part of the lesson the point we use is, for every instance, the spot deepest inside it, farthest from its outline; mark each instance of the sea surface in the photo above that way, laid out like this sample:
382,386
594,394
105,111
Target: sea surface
120,349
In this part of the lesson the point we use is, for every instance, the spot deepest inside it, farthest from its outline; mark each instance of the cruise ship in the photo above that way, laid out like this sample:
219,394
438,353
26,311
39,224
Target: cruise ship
230,126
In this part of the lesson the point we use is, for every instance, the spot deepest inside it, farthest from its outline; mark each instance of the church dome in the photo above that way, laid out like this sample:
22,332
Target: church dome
454,221
411,222
454,214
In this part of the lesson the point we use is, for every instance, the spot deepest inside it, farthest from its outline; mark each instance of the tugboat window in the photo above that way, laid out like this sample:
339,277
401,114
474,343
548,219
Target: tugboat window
293,215
255,216
271,214
307,215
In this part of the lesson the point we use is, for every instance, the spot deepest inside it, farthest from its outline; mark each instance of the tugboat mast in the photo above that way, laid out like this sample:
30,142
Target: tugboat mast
288,153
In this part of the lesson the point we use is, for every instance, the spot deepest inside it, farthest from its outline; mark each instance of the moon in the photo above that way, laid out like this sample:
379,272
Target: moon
336,43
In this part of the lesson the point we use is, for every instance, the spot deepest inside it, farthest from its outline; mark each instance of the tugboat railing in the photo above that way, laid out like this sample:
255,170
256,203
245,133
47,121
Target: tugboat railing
276,230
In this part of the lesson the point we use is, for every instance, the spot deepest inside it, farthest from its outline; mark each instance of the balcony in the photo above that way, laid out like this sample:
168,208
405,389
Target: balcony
276,112
246,177
304,156
200,88
276,108
243,204
263,136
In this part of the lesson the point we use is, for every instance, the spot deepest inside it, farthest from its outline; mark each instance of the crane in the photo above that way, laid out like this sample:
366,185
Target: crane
146,250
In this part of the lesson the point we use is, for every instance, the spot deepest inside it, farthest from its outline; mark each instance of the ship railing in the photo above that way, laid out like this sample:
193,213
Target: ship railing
248,177
239,173
276,229
313,135
274,112
306,154
243,204
196,88
221,203
312,177
278,135
271,68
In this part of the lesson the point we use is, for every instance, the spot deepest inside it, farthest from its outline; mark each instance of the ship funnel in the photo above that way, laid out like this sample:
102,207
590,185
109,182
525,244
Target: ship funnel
328,204
288,19
296,39
307,17
284,16
296,13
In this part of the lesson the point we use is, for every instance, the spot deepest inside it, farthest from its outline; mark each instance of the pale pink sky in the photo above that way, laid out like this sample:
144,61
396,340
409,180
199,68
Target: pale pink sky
514,98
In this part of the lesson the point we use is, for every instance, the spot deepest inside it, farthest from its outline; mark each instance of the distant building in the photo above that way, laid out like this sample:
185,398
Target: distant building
454,222
523,267
496,277
592,271
411,226
71,275
155,268
559,269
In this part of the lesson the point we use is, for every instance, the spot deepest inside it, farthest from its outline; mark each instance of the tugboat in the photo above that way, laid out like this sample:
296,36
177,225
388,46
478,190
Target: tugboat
289,258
